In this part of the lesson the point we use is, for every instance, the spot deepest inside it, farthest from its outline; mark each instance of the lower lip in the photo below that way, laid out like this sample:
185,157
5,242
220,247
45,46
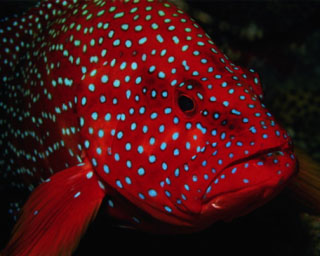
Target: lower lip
277,165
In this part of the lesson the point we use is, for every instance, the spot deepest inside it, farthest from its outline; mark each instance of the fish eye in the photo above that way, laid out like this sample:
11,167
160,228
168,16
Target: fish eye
185,103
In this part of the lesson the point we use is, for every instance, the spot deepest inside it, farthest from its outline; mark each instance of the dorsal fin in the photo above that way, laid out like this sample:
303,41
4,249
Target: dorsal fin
57,213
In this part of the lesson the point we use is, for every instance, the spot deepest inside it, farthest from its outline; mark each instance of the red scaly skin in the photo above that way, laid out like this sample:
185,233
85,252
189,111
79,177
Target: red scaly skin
138,89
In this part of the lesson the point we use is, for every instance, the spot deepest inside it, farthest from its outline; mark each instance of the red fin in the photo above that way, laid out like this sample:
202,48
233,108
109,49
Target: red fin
57,214
306,184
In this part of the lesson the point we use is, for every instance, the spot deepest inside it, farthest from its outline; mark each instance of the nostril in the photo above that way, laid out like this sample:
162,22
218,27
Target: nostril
231,126
216,115
224,122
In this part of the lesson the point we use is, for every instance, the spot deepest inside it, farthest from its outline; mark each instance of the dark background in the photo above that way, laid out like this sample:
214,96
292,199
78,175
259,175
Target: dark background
281,40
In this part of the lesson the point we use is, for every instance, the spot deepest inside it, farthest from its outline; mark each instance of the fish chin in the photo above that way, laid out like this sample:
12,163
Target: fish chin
267,181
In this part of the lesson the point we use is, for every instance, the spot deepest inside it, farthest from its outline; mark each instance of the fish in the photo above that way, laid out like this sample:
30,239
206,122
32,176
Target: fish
130,109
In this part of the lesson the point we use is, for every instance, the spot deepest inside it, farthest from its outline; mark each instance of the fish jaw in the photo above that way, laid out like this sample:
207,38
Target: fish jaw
227,205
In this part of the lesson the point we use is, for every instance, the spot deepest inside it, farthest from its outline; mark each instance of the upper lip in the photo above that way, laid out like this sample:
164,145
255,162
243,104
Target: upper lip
255,155
259,153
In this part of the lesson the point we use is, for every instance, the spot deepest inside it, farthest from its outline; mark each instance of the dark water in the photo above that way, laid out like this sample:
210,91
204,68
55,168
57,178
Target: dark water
281,41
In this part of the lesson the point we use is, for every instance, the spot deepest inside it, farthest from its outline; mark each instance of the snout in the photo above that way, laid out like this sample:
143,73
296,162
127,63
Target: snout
247,185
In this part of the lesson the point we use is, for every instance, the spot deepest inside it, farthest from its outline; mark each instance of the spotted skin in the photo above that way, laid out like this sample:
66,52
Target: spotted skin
167,122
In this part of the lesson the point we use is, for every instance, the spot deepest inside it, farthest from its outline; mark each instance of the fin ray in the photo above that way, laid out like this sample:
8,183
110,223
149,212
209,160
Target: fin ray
57,214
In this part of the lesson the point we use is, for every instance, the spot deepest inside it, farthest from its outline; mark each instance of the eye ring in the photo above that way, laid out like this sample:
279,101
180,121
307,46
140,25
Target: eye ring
186,103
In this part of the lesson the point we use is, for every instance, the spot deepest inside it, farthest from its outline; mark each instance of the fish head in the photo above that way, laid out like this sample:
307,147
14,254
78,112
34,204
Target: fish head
170,123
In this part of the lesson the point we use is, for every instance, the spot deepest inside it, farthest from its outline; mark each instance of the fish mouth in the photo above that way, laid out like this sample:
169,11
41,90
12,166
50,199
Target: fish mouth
260,153
268,180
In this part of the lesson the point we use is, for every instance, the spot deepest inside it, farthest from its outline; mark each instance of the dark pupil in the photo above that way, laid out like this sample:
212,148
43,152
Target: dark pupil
185,103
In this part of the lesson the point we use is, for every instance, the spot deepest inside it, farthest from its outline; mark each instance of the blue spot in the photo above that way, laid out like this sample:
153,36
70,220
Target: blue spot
161,128
177,172
104,79
239,143
128,146
159,38
186,186
140,149
225,103
152,158
94,162
141,196
107,117
99,151
201,128
152,140
152,193
168,209
116,157
245,181
154,115
145,129
100,133
233,171
91,87
164,94
171,59
128,180
175,39
129,164
142,110
102,99
216,115
253,129
120,135
167,110
106,169
118,182
141,171
175,136
235,112
212,98
161,75
116,83
94,115
164,166
133,126
138,80
176,152
142,40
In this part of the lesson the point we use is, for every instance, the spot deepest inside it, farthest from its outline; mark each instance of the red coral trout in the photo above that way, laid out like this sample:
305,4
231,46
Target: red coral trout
130,101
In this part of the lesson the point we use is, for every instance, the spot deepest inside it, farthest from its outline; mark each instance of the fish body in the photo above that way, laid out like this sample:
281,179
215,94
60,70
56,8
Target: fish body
133,101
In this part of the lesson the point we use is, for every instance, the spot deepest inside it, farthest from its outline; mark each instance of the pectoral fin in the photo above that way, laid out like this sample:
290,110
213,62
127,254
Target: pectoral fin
57,213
